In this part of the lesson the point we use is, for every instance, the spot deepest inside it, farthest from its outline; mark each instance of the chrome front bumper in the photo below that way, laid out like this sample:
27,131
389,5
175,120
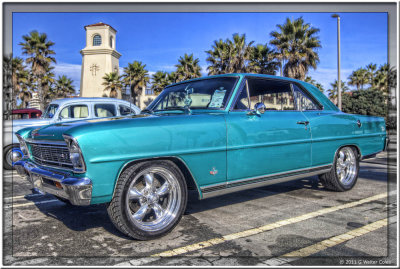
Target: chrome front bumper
77,190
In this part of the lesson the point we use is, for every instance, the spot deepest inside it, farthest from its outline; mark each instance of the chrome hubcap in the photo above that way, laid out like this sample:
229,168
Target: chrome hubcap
153,199
346,166
13,155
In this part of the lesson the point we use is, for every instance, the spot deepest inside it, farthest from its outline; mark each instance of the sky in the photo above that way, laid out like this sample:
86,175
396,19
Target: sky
159,39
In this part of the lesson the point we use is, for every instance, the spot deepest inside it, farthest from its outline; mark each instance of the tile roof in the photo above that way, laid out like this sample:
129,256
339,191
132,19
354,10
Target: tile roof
100,24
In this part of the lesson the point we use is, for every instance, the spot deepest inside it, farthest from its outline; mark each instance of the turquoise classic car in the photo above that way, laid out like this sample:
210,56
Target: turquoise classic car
215,135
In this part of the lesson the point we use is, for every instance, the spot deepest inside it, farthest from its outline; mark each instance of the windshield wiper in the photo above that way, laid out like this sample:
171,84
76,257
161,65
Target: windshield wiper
186,109
146,110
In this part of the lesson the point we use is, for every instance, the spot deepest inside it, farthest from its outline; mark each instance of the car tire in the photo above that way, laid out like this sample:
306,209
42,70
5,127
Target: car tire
344,173
7,158
149,199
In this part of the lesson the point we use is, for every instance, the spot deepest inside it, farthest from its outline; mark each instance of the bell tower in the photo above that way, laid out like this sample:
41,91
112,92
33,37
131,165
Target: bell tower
99,57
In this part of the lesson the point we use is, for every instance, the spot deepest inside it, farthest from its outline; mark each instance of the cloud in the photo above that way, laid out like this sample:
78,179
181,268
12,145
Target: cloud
72,71
326,76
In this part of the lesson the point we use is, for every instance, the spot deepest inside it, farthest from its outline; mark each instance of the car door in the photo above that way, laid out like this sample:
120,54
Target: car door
263,144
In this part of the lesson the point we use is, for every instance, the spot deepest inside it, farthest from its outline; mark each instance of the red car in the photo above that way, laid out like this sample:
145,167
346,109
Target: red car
26,113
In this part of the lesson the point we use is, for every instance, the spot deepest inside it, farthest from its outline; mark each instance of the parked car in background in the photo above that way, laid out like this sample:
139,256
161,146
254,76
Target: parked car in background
63,110
217,135
26,113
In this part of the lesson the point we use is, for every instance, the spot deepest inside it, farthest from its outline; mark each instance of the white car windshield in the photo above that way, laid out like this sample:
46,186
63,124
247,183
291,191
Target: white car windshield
50,111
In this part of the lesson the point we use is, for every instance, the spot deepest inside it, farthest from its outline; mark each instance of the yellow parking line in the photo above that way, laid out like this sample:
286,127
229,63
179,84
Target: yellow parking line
271,226
336,240
32,203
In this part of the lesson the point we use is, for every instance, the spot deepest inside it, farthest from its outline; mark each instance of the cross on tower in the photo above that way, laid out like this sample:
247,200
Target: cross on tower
94,68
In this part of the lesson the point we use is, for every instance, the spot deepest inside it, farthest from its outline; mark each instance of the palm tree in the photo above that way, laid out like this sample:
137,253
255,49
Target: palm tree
371,68
19,80
63,88
239,53
263,60
159,81
230,56
7,87
296,44
332,93
136,77
358,78
218,58
312,81
188,67
47,82
172,78
38,49
112,83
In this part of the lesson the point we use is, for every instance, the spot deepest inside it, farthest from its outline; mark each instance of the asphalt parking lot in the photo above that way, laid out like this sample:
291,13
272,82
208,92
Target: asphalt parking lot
293,223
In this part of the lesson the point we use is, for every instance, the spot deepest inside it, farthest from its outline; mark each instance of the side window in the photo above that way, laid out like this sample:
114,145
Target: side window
74,112
275,95
104,110
125,110
304,102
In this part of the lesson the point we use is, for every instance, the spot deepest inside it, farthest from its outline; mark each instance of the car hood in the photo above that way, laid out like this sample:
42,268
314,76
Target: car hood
77,128
56,130
15,125
27,122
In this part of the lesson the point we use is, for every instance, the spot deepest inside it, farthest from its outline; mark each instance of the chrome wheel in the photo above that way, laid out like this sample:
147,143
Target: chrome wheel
153,199
346,166
12,155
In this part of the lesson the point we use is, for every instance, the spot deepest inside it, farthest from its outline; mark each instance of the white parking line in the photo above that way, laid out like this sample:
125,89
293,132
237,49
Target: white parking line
285,259
219,240
32,203
23,196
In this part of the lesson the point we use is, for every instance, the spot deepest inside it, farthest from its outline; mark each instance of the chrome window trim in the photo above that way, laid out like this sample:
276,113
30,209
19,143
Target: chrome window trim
74,104
245,84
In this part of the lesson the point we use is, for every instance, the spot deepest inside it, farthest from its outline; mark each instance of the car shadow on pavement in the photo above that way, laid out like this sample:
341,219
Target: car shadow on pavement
84,218
80,218
195,205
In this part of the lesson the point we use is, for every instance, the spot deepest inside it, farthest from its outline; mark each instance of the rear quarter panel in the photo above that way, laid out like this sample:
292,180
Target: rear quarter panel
332,130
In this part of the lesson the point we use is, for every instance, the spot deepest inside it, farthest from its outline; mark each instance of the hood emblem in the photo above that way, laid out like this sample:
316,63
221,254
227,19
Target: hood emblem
214,171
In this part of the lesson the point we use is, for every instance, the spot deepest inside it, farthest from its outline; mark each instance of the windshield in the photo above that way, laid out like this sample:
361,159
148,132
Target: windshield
50,111
201,94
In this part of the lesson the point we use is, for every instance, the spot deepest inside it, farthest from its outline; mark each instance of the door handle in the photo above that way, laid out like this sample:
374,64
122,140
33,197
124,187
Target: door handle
303,122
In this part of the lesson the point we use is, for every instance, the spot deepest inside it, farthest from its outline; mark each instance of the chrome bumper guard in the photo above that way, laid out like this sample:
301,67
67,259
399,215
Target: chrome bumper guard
386,144
77,190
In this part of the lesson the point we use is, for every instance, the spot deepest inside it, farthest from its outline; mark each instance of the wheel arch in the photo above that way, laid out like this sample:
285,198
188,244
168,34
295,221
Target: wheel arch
189,178
359,155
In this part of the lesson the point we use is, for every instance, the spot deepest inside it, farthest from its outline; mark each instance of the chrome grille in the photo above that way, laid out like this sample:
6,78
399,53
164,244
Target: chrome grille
56,155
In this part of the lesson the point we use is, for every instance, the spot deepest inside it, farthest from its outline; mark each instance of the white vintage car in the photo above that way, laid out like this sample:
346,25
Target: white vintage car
60,110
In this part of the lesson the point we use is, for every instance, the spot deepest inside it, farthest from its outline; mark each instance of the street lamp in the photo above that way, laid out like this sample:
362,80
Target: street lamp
339,82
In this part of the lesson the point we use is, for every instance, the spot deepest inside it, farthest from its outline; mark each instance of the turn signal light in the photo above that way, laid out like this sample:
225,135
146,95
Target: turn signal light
58,185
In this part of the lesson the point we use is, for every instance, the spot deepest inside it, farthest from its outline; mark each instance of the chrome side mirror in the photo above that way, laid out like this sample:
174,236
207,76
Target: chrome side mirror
259,108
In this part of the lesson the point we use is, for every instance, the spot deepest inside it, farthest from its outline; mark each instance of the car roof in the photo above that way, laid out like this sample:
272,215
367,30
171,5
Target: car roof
238,75
89,99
